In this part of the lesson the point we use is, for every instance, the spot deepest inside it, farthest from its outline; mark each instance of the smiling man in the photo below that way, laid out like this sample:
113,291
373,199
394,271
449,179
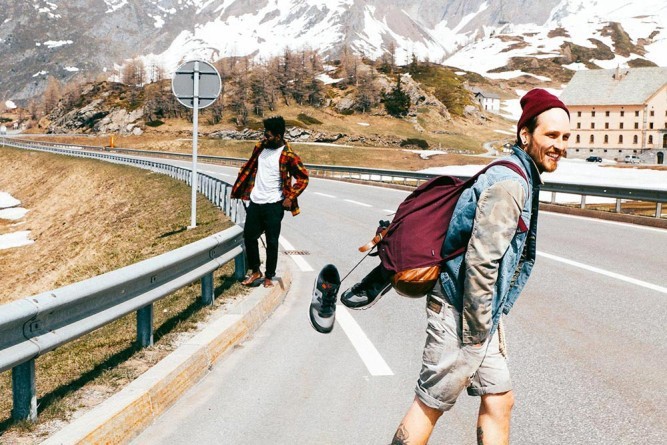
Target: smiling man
496,219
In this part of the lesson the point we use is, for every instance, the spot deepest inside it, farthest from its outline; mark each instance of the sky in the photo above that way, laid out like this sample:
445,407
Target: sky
572,171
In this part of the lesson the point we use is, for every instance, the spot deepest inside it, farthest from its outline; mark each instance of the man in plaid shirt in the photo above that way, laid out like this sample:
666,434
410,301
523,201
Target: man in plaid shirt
271,180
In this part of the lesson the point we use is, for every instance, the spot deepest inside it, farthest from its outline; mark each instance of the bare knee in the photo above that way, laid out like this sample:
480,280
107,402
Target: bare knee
497,405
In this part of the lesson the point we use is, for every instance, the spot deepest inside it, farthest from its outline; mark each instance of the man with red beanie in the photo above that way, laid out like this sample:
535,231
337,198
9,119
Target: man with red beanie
496,218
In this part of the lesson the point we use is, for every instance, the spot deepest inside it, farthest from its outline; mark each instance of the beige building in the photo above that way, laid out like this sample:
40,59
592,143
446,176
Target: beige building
618,113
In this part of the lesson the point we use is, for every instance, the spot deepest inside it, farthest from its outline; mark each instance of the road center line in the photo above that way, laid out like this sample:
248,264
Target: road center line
605,272
324,194
298,259
358,203
369,355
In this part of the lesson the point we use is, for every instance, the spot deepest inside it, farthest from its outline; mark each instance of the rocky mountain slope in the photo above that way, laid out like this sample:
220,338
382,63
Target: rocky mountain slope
39,38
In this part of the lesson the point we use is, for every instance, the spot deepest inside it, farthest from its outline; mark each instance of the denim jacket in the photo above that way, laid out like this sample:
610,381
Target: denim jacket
498,215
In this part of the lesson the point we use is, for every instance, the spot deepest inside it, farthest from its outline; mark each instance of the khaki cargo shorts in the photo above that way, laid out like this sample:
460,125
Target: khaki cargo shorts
448,367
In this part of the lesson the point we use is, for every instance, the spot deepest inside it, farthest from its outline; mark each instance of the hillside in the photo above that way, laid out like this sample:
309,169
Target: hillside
347,106
89,217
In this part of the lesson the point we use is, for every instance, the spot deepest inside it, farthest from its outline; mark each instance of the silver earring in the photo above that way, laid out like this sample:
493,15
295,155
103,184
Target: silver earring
523,141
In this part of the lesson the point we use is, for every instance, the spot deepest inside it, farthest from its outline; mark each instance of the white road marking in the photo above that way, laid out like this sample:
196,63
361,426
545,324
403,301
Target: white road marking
358,203
389,212
298,259
367,352
324,194
369,355
606,273
604,221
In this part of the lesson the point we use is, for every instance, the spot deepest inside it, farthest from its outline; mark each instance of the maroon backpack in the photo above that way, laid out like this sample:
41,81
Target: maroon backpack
411,246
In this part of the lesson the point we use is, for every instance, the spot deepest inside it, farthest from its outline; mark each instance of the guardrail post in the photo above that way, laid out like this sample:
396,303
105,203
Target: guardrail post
553,197
618,205
239,266
25,396
658,210
207,289
583,201
145,326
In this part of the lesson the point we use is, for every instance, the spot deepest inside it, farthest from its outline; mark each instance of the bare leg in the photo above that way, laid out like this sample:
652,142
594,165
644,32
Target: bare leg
493,423
417,425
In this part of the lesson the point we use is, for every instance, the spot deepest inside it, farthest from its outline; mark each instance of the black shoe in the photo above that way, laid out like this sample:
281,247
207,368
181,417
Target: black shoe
323,303
358,297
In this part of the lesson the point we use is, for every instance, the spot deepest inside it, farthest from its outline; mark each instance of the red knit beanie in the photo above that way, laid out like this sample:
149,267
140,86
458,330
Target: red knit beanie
535,102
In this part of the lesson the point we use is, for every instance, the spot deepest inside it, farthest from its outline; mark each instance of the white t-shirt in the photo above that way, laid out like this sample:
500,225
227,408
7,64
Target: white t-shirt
267,187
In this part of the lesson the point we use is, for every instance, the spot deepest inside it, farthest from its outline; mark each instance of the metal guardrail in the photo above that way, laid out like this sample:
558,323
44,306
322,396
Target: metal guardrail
38,324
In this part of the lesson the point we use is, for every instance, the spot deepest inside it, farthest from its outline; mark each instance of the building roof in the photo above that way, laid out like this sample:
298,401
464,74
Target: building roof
625,86
480,92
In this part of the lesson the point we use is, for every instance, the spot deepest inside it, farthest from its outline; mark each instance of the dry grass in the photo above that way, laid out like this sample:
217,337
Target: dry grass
88,217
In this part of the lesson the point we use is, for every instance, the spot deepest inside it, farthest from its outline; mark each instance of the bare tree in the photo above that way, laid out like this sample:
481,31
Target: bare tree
52,95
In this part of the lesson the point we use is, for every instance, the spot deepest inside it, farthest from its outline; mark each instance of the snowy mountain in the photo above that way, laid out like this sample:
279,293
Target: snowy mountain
41,38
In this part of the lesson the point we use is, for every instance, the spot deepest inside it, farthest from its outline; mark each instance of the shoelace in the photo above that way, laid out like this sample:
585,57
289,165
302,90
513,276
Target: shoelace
328,295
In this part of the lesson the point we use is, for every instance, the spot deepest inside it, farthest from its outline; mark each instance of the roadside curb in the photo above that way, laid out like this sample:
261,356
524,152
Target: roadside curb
128,412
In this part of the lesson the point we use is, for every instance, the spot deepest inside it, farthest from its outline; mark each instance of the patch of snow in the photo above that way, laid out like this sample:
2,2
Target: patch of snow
57,43
7,200
425,154
114,5
326,79
364,124
71,69
41,73
10,105
15,239
578,171
13,213
159,21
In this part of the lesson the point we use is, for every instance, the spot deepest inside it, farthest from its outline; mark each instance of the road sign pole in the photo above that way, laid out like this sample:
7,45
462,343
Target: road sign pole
195,133
196,84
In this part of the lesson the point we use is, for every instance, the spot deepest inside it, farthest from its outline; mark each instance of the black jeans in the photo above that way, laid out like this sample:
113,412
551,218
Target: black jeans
263,218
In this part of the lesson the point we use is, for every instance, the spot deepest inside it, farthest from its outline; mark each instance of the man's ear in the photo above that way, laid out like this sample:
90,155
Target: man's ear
524,136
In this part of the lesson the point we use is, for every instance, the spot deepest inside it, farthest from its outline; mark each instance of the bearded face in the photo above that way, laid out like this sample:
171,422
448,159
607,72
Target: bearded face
272,141
548,142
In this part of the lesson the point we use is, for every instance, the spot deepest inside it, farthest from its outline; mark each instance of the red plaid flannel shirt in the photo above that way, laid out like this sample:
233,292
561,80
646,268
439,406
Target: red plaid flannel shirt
290,168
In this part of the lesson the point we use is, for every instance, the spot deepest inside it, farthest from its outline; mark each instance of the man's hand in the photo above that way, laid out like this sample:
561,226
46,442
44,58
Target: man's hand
287,204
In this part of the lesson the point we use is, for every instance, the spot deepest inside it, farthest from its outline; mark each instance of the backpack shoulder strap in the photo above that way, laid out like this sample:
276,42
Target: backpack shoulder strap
509,164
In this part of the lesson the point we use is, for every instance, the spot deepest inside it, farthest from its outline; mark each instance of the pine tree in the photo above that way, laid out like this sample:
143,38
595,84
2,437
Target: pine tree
397,101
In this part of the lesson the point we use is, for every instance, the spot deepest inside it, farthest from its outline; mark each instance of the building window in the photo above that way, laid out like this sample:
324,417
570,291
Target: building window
636,113
606,138
620,139
650,140
591,150
578,139
635,139
636,125
620,125
652,113
606,125
592,124
622,113
650,125
578,125
605,150
592,139
593,113
606,113
578,113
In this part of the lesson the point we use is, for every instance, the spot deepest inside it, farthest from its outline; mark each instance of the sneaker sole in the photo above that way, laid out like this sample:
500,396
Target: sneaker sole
318,328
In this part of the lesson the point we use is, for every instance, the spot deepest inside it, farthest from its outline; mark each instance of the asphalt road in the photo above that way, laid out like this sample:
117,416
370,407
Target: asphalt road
586,342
